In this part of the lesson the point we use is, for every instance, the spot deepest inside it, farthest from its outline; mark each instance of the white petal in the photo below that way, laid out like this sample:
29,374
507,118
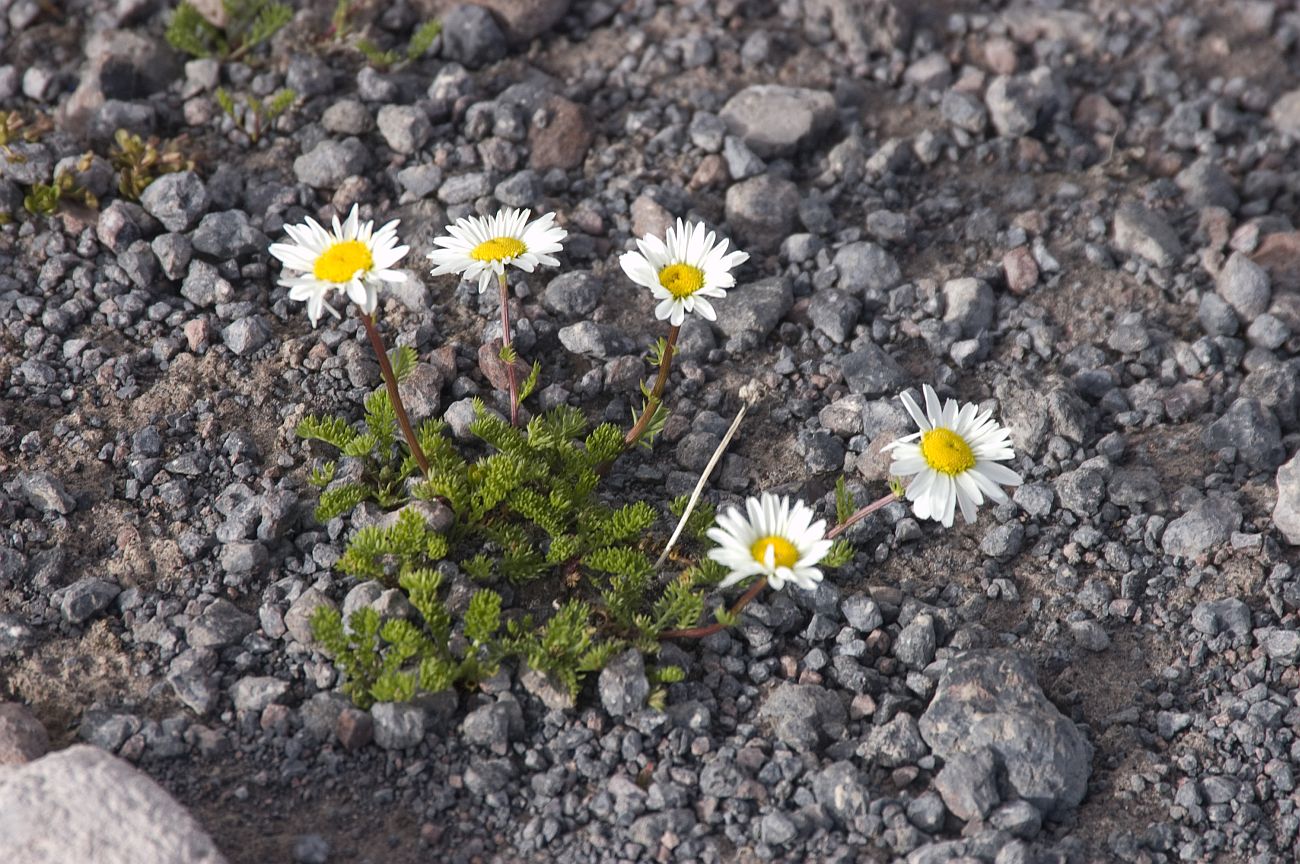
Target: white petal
932,407
915,410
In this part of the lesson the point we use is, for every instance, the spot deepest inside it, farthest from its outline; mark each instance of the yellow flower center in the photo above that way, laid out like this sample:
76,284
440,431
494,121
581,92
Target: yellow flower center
784,553
681,280
946,452
342,261
498,249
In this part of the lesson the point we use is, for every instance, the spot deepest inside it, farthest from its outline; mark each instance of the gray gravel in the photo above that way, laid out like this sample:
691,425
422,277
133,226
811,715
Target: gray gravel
1082,222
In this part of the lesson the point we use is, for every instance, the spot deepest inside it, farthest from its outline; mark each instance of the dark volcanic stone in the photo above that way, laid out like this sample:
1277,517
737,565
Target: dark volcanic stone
802,715
992,699
871,372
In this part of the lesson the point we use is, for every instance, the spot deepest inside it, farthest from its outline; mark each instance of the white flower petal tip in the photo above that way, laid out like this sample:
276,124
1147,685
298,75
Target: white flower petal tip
954,461
352,259
480,248
772,538
688,265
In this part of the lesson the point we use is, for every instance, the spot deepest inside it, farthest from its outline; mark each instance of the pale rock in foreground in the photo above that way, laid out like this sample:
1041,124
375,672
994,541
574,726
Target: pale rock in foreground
1286,513
105,811
991,699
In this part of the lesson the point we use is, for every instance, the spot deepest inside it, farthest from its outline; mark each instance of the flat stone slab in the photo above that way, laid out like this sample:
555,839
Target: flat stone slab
84,805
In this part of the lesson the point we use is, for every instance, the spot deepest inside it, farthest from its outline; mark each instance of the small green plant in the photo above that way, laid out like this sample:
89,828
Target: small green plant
524,511
249,23
252,114
44,199
140,161
340,20
15,128
420,42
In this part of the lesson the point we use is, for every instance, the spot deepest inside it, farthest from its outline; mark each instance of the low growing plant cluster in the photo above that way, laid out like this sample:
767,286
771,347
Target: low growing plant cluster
503,543
245,24
136,162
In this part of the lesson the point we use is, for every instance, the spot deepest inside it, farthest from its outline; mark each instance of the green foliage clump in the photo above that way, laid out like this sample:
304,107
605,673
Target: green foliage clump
43,199
515,507
14,128
252,114
140,161
249,23
420,42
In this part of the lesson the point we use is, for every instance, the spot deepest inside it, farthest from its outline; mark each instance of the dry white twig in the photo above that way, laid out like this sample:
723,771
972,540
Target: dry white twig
699,487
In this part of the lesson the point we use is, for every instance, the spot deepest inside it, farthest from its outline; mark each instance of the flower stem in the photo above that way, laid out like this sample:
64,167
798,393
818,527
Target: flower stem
386,367
748,596
710,629
665,363
860,515
505,346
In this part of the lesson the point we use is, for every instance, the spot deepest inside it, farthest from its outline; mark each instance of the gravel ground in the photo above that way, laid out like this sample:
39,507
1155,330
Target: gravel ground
1082,218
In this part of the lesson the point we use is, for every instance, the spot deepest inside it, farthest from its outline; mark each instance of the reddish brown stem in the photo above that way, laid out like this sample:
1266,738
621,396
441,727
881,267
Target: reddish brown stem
390,380
710,629
505,346
665,363
860,515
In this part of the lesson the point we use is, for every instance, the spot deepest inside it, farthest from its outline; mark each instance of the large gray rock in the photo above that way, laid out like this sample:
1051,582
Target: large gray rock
1138,231
842,789
472,36
573,294
1017,103
1208,524
871,372
1250,428
220,624
802,715
27,163
255,692
176,200
895,744
22,737
1227,614
1206,184
227,235
82,804
1286,513
84,598
755,308
774,120
992,699
761,211
1285,113
969,303
594,340
398,725
864,267
298,618
1245,286
524,20
968,784
46,492
405,127
835,313
623,684
330,162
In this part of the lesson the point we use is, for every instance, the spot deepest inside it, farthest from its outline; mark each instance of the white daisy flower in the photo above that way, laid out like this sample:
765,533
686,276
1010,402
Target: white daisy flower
955,459
775,540
353,258
683,270
482,247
